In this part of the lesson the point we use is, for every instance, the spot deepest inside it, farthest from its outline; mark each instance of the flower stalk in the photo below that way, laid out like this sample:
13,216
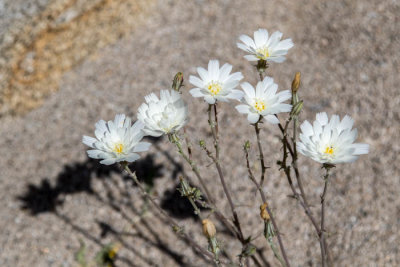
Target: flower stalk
214,128
265,210
261,155
325,258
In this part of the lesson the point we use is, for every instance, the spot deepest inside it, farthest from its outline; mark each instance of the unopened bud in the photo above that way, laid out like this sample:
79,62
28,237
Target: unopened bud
208,228
263,212
202,143
178,81
185,188
297,108
296,82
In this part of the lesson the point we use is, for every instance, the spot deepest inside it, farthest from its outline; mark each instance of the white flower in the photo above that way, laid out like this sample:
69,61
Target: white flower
262,47
264,101
216,83
330,142
163,116
116,141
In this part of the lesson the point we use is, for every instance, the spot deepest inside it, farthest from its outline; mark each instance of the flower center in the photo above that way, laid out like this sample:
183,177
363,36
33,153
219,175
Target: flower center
118,148
259,105
262,53
329,150
214,87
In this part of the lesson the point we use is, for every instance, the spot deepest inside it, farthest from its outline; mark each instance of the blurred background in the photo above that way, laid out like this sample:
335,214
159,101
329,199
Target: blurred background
65,64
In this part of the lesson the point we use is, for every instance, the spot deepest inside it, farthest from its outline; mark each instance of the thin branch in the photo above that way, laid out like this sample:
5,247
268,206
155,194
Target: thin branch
296,195
294,161
261,156
322,237
219,169
264,200
283,131
167,217
214,131
188,144
175,140
300,197
323,244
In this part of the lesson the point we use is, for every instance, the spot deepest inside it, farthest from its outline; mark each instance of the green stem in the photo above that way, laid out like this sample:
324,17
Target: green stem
322,235
261,156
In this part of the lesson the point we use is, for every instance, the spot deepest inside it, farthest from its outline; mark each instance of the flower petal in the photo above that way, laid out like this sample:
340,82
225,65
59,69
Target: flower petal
271,119
196,81
89,141
253,117
244,109
248,89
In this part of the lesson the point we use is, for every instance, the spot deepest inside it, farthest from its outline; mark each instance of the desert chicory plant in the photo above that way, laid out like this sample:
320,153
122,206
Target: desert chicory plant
216,84
116,141
264,101
327,141
164,115
330,141
265,47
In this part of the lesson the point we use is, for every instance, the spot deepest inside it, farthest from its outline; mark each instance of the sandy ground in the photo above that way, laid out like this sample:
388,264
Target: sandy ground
53,197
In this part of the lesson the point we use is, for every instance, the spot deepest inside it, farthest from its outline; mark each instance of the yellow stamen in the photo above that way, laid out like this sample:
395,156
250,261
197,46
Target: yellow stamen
329,150
118,148
262,53
259,105
214,88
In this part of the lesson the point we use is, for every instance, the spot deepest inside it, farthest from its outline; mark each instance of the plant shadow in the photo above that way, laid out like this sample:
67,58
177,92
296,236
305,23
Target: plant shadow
49,195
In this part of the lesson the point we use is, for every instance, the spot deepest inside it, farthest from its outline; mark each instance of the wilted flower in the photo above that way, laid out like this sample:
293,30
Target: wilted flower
264,212
330,141
116,141
263,101
262,47
296,82
216,83
209,228
163,116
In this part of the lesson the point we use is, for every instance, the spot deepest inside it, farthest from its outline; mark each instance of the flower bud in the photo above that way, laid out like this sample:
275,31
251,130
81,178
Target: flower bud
178,81
297,108
185,188
263,212
202,143
296,82
208,228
